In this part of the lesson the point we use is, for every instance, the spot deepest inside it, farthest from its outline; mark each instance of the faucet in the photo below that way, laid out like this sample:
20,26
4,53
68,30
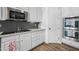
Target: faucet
18,29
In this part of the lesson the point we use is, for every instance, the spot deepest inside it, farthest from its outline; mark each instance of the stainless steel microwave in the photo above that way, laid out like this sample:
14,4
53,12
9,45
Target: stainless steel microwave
15,14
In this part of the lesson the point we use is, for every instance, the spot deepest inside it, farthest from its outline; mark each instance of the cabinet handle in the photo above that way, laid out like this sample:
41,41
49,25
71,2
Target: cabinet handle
49,28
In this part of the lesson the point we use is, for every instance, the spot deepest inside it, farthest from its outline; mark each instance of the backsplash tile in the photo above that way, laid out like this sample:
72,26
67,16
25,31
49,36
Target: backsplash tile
9,26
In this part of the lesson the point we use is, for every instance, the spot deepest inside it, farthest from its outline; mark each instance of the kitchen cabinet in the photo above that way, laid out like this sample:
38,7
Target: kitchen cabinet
39,14
38,38
10,43
22,42
35,39
70,11
8,46
35,14
25,42
42,36
4,13
24,8
21,8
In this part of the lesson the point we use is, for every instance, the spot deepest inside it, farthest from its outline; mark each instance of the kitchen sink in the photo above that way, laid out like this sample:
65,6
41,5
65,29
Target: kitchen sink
7,33
22,30
14,32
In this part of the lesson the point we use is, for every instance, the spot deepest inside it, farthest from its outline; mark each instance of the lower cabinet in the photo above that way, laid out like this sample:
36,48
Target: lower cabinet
35,43
22,42
10,43
42,36
25,42
38,38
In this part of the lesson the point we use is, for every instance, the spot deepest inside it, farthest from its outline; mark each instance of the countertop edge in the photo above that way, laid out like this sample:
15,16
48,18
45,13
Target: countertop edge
13,34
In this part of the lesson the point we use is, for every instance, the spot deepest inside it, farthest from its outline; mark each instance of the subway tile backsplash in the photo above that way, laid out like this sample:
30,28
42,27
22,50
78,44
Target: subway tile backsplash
9,26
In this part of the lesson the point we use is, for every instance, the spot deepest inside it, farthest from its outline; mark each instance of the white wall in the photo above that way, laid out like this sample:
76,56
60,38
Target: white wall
52,19
44,23
55,23
70,11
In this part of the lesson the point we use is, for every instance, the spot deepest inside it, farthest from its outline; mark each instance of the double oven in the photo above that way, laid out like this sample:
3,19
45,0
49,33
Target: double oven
71,28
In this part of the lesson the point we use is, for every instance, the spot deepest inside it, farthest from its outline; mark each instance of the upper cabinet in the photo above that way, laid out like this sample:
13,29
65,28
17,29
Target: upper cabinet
70,11
21,8
35,14
25,42
4,11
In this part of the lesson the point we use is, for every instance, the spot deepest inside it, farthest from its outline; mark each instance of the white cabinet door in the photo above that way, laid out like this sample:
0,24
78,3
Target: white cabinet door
4,13
25,42
38,38
42,36
39,13
54,25
35,39
21,8
10,43
35,14
32,14
35,43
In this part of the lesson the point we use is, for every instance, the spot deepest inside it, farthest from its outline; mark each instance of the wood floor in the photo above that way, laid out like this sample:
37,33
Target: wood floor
54,47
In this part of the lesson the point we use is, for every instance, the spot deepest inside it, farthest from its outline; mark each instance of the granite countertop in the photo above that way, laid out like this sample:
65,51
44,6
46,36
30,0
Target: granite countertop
18,33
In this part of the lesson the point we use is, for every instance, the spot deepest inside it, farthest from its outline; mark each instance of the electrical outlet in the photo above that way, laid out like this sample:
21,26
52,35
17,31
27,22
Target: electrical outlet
0,25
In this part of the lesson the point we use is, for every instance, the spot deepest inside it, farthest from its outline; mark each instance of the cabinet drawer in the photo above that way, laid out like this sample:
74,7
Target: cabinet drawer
33,33
36,35
35,38
35,43
25,35
10,38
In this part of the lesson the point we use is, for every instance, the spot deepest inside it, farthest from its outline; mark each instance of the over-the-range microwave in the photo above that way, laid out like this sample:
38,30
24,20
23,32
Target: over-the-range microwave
15,14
